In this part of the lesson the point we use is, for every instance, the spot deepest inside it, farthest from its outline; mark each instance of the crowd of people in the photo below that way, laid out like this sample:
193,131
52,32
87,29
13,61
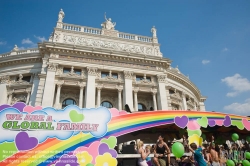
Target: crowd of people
209,154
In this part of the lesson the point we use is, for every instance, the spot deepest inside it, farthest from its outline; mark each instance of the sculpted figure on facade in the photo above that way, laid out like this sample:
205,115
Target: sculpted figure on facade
153,30
5,80
20,78
108,24
61,16
15,48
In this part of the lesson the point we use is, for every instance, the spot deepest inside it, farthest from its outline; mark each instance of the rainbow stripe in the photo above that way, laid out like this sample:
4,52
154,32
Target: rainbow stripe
118,126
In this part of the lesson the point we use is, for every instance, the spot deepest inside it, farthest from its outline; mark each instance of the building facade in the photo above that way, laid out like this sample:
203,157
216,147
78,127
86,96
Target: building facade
93,67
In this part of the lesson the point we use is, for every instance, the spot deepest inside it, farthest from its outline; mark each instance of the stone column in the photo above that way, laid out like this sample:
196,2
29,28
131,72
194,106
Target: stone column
10,97
154,91
34,89
81,85
90,89
162,95
48,96
195,107
119,98
4,80
127,90
135,99
98,101
184,102
28,96
58,93
202,105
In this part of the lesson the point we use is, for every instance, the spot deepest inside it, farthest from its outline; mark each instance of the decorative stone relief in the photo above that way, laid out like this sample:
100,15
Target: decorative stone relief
161,78
81,84
19,97
57,36
145,101
52,67
59,70
128,74
92,71
65,95
175,107
5,79
112,98
60,83
153,91
52,55
78,40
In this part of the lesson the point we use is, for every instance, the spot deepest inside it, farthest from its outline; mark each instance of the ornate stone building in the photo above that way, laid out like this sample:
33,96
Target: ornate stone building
90,67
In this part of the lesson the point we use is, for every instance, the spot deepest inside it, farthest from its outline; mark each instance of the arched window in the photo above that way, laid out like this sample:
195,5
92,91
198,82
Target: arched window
141,107
67,102
106,104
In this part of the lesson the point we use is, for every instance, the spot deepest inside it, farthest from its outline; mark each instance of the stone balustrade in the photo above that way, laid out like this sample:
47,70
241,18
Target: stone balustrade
20,52
134,37
97,31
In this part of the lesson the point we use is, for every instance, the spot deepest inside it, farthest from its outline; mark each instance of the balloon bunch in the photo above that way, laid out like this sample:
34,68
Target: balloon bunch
245,162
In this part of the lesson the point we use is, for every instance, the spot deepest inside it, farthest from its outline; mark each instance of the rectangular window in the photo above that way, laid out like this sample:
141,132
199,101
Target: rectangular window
77,71
139,78
148,79
26,78
171,91
66,70
104,74
115,75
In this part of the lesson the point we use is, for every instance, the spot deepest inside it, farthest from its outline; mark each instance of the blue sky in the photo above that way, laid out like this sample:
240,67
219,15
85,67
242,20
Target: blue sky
208,39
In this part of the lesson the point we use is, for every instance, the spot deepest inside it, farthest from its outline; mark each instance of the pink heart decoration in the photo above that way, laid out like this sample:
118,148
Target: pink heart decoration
193,125
104,148
92,150
219,122
31,109
123,112
246,123
115,112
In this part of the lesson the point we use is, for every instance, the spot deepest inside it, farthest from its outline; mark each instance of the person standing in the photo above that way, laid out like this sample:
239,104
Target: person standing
197,154
214,155
144,154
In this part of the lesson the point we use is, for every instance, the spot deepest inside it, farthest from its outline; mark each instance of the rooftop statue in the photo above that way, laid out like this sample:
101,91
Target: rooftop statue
61,16
108,24
153,30
15,48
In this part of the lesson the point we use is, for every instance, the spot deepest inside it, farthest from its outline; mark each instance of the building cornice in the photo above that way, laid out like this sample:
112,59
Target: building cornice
185,82
21,60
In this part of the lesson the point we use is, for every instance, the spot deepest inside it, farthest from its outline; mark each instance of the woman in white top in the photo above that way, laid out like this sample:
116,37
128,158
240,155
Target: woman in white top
144,154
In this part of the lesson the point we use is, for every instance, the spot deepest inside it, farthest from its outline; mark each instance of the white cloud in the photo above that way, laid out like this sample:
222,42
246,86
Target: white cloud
27,41
239,108
3,42
225,49
237,83
205,61
41,39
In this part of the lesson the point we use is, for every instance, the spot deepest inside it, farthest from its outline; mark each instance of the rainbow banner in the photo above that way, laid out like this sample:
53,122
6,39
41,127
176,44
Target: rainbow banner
32,136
